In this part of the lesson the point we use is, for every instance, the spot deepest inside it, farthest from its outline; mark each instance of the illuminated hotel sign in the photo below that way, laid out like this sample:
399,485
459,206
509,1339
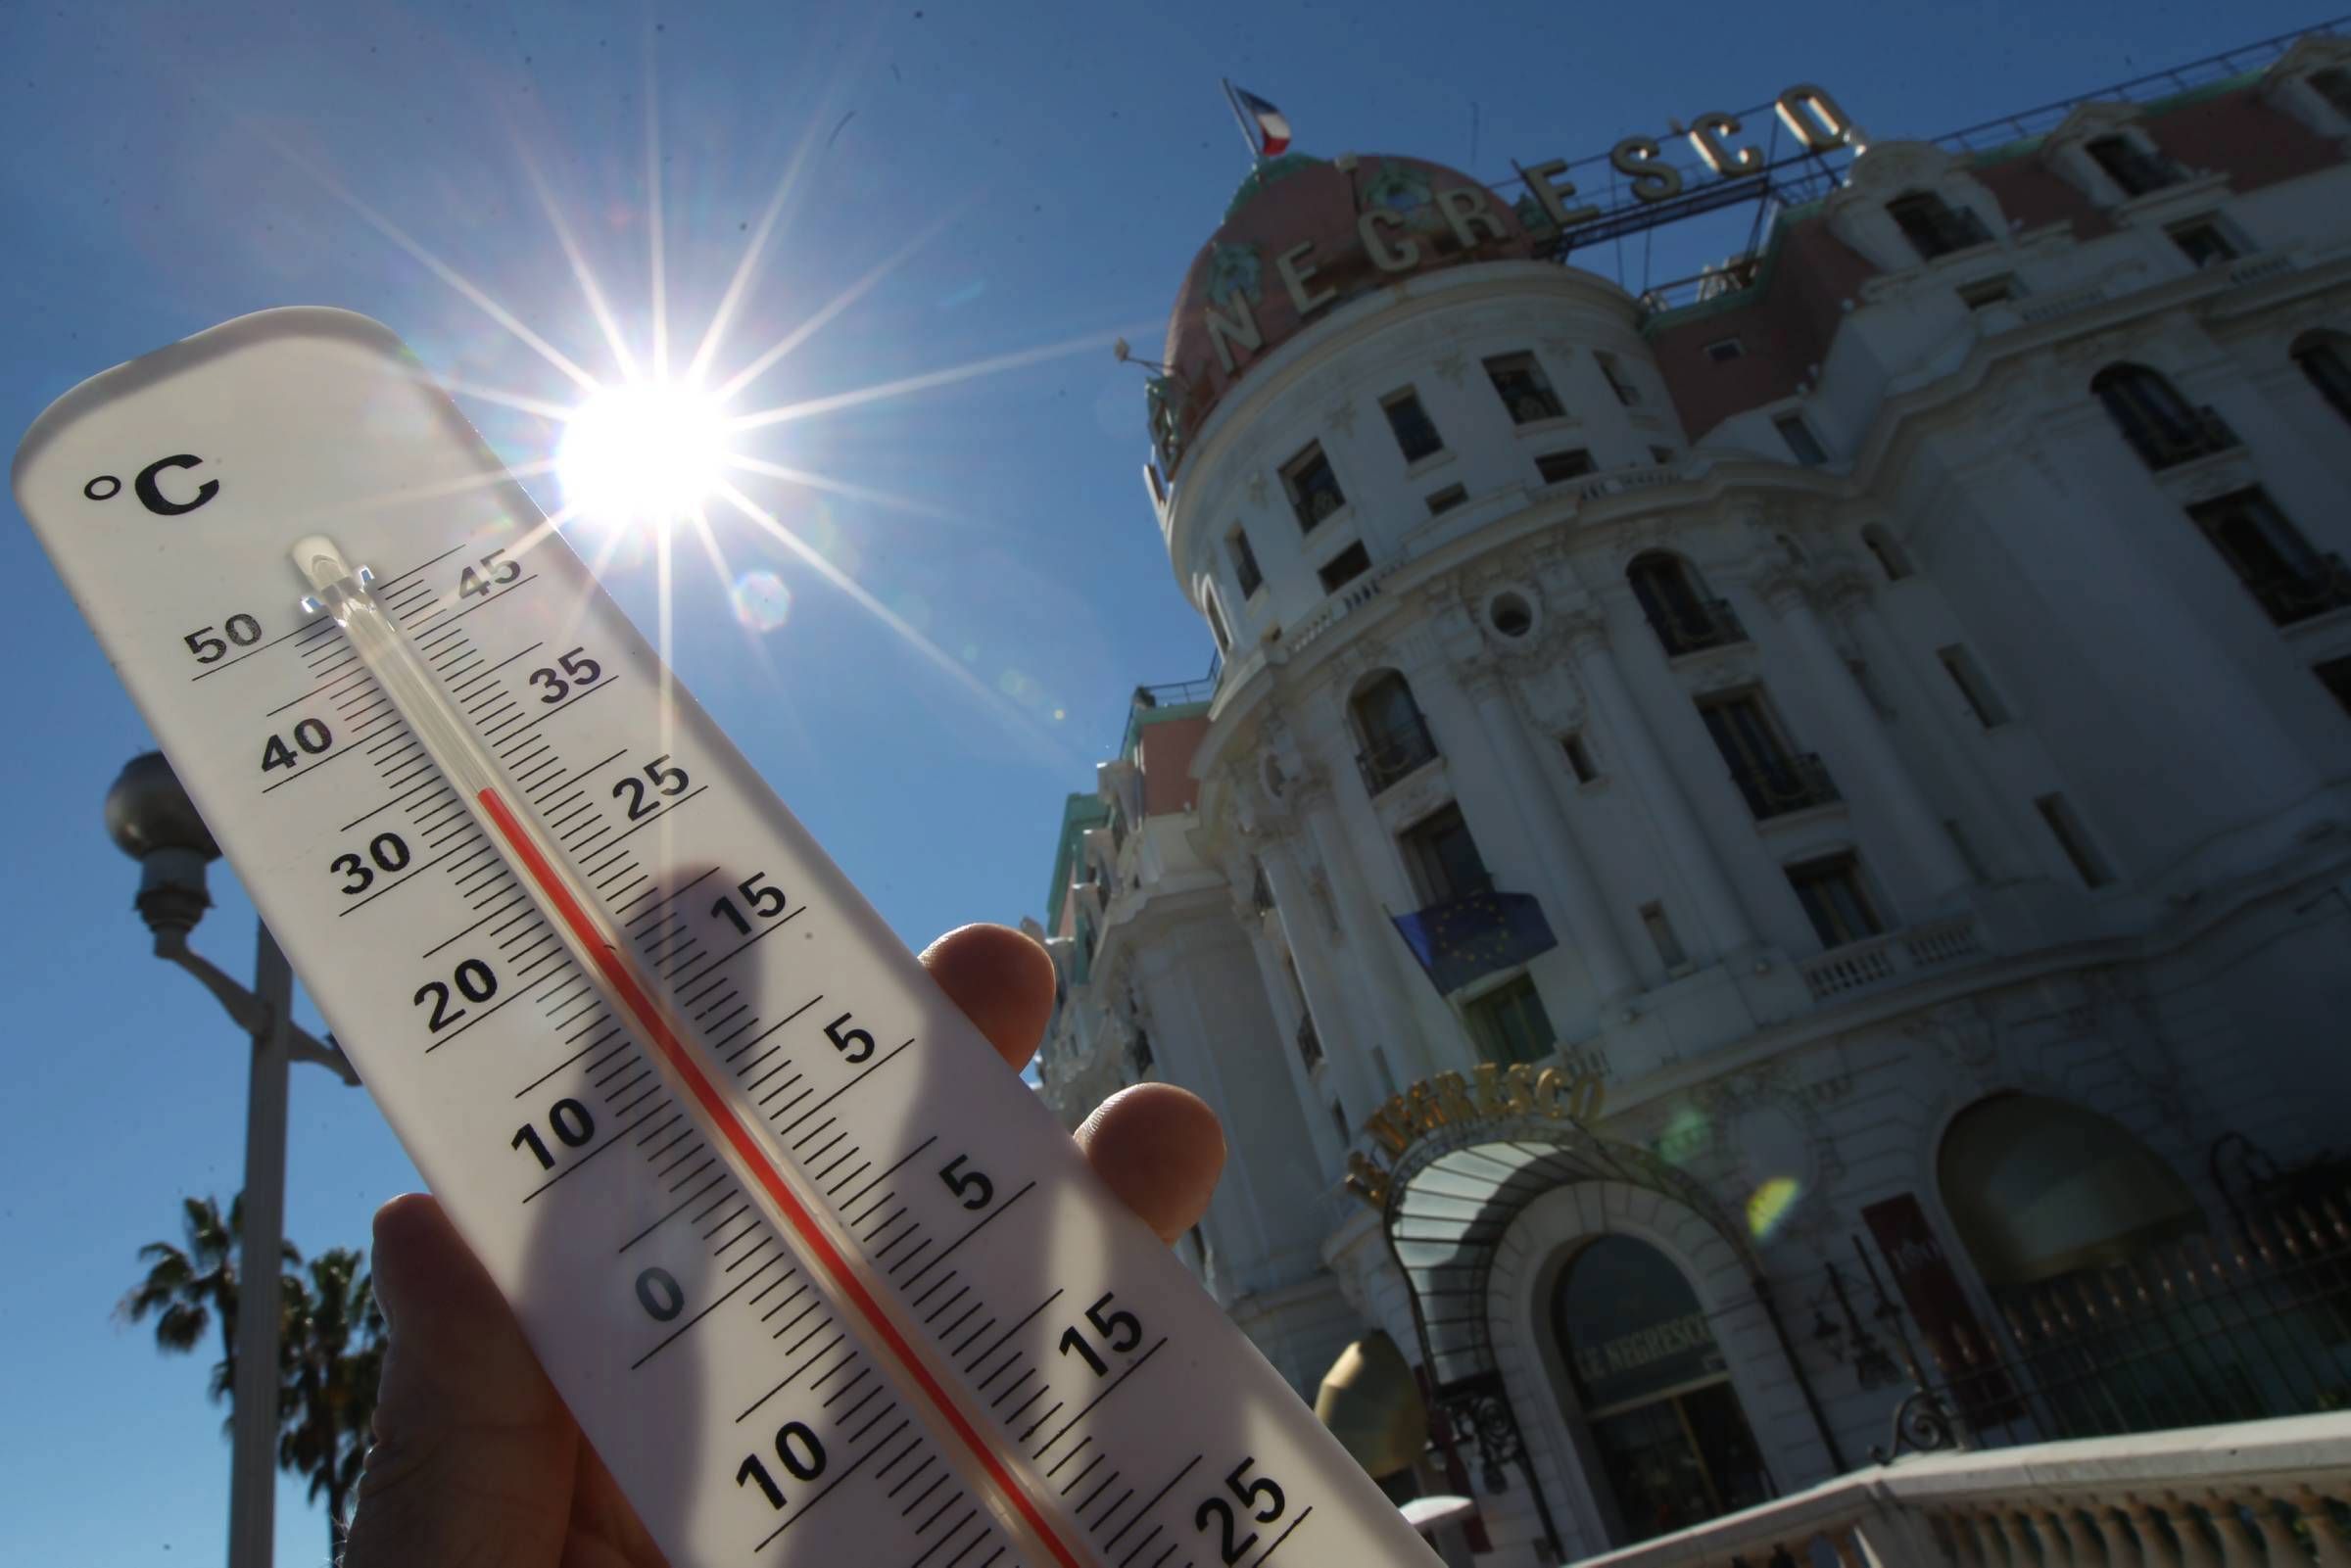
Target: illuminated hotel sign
1385,235
1448,1100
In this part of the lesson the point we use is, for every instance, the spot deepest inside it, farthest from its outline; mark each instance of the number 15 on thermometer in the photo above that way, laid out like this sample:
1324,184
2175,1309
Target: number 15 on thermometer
822,1282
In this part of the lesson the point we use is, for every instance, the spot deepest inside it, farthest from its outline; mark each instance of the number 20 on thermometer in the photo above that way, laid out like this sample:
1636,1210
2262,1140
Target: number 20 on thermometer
822,1282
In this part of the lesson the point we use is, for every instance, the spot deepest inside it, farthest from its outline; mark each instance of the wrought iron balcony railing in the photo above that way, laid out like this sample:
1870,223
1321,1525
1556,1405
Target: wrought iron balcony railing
2290,596
1701,624
1785,784
1398,753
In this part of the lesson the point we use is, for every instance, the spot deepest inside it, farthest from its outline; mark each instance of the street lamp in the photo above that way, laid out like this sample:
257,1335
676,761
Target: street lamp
153,821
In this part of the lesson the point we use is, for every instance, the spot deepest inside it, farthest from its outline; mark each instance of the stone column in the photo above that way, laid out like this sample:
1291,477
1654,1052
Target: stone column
1871,769
1853,600
1569,875
1685,843
1329,1151
1379,952
1346,1035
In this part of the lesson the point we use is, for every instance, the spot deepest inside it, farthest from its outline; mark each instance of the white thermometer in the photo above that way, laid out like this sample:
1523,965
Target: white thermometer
822,1281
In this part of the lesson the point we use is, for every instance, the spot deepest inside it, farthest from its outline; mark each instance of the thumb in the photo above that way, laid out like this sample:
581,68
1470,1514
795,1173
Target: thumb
475,1454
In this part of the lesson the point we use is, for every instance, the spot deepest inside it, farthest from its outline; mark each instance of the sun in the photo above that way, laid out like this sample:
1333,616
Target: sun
642,452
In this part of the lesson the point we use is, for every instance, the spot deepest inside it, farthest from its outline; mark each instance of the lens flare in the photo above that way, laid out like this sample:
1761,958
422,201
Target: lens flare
644,452
762,601
1769,1206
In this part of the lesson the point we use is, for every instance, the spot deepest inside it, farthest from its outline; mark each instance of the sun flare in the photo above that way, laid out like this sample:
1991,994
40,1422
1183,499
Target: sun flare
642,452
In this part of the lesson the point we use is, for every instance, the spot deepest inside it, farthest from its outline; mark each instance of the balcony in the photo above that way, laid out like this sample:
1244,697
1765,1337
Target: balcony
1694,624
2252,1495
1396,755
1785,784
2290,596
2167,445
1890,960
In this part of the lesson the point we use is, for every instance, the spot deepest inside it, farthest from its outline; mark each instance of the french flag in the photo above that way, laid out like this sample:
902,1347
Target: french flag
1273,132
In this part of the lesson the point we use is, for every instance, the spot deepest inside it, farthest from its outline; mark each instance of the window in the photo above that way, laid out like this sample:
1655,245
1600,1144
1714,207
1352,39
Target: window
1310,1043
1974,688
1662,933
1446,499
1933,228
1579,758
1396,739
1415,433
1338,1118
1803,445
1312,489
2160,424
1619,382
1444,857
1523,388
1244,563
1679,611
2334,85
1216,621
2271,558
2203,244
1510,615
1660,456
1988,290
1724,349
1889,558
1772,776
2087,862
1509,1024
2132,167
1344,567
1556,466
1835,900
2335,676
2323,361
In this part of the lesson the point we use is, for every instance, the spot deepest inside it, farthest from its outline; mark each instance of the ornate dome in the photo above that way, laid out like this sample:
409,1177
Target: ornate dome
1302,235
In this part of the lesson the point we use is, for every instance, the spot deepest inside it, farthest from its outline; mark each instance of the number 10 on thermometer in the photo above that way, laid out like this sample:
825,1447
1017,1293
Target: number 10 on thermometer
822,1282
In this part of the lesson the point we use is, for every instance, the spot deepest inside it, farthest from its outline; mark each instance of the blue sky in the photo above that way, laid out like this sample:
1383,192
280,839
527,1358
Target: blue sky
166,167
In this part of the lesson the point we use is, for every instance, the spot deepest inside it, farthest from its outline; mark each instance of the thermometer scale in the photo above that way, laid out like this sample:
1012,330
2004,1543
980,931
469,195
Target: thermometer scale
820,1280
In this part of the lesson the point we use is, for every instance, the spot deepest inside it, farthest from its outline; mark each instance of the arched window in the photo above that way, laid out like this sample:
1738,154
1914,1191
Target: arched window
2039,1189
2326,360
1654,1390
1395,738
2160,425
1675,602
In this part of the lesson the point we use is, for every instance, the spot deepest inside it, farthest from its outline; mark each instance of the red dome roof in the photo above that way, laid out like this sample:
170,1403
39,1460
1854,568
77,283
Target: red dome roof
1384,220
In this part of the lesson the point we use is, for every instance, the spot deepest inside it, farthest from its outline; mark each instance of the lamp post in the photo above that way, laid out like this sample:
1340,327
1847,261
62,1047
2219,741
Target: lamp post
150,817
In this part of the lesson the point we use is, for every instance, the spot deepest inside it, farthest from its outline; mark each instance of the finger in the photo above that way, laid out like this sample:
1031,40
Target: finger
1160,1149
474,1450
1001,979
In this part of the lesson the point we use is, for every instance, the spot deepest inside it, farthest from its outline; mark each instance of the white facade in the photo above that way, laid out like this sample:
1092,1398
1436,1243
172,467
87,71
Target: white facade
2079,820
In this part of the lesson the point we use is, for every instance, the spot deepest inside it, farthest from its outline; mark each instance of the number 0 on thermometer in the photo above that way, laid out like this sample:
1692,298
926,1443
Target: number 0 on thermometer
822,1282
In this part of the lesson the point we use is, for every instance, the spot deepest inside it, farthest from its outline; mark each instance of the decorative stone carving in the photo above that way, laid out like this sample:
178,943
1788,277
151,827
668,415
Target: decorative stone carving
1964,1034
1453,366
1256,488
1342,417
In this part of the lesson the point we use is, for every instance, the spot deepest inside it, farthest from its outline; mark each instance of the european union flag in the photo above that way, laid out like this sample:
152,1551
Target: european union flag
1456,942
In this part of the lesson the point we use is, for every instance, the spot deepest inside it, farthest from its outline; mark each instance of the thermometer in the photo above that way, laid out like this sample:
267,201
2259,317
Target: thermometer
822,1281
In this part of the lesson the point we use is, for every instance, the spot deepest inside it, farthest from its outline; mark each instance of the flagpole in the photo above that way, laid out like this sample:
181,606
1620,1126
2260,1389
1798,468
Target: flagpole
1241,120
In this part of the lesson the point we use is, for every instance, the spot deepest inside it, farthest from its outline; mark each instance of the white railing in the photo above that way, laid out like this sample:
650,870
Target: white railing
1884,960
2256,1495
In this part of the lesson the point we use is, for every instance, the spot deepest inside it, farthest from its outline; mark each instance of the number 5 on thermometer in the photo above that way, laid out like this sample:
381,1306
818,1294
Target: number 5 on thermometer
822,1282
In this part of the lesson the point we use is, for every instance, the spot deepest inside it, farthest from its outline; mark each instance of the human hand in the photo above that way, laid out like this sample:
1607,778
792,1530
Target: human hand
477,1459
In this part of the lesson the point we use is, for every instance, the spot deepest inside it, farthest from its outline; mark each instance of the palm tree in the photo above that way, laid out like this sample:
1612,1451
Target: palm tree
335,1351
187,1288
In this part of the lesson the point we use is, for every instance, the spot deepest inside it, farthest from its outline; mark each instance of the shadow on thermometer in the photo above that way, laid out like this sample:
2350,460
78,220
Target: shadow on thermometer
1019,1334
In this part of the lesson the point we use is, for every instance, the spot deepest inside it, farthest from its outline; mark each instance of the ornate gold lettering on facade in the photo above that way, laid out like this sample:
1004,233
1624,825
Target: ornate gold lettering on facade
1490,1093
